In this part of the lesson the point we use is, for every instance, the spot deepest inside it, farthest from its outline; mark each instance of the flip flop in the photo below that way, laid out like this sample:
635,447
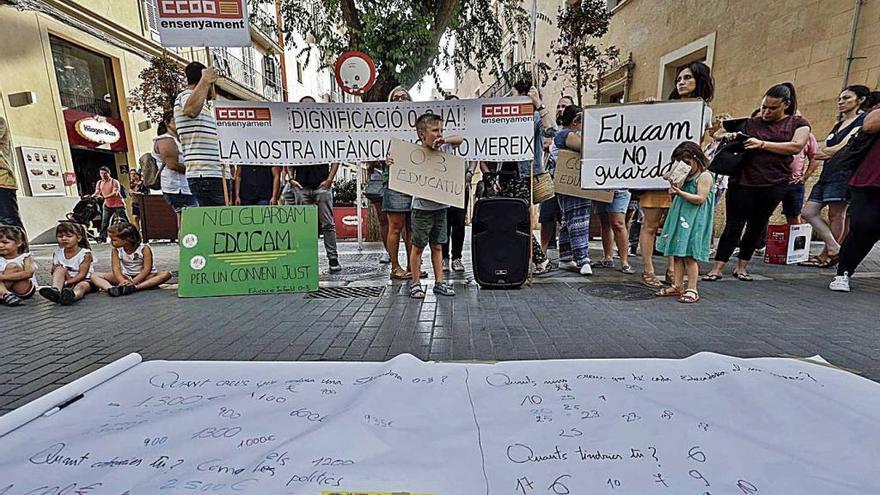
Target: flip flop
744,277
712,277
400,275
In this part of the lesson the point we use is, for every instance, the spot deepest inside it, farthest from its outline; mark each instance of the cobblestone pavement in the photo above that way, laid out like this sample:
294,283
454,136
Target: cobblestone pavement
787,310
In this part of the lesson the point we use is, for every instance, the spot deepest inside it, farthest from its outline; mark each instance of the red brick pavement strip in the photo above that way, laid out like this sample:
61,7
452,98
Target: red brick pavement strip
45,346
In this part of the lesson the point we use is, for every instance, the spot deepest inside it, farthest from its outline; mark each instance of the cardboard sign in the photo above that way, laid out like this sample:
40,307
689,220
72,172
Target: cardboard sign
762,426
788,244
203,23
424,173
238,250
567,179
629,146
284,133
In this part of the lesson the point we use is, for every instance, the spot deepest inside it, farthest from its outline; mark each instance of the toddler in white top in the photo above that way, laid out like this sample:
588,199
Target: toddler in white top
17,267
71,265
131,264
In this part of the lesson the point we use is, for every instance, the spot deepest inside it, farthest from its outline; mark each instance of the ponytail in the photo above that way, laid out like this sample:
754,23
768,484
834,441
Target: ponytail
784,92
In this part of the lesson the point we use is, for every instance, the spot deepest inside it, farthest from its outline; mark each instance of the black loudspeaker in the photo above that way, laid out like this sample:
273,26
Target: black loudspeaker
500,242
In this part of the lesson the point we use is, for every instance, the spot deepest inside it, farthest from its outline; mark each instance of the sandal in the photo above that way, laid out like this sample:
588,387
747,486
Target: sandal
690,296
417,291
813,261
831,262
745,277
603,264
669,292
627,270
400,275
10,299
651,280
442,289
669,278
712,277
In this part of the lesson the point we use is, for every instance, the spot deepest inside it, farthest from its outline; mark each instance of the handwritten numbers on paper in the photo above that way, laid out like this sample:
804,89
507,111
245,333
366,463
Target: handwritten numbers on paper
696,454
613,483
419,157
533,400
154,442
558,487
703,426
228,413
571,433
698,476
523,484
667,415
746,488
591,414
631,417
659,479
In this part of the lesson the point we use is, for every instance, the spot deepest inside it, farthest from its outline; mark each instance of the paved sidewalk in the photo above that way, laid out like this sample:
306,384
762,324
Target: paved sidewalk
786,311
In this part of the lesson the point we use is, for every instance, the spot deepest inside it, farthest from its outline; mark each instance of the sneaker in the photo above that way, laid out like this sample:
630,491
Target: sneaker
67,296
840,283
543,267
50,293
384,259
114,291
445,264
568,265
586,270
335,266
127,290
457,265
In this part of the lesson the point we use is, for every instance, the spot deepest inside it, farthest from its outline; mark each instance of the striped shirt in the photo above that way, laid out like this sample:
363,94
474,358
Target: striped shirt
201,147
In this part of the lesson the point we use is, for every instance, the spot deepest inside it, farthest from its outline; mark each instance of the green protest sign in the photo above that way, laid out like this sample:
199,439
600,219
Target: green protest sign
238,250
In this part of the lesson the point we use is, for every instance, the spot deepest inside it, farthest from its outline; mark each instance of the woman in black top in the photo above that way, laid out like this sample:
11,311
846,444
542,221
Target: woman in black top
777,134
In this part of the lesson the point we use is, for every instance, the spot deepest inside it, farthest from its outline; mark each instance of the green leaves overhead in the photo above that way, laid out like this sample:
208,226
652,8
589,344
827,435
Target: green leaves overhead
404,36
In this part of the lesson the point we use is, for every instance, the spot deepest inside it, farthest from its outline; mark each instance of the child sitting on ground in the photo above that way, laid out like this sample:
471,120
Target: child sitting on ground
687,231
429,217
17,268
131,264
71,265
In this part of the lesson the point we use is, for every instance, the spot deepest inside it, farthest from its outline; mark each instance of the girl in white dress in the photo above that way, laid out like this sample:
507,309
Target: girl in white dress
71,265
131,264
17,268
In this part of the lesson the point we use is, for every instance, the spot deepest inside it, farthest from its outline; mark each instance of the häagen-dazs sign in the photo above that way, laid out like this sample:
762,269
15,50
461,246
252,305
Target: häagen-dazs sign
98,130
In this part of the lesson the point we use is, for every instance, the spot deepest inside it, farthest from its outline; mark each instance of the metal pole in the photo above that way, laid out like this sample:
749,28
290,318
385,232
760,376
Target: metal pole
359,197
852,43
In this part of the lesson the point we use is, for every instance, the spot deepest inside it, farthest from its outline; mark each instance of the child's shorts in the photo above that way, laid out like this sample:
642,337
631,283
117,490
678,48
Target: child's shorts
429,227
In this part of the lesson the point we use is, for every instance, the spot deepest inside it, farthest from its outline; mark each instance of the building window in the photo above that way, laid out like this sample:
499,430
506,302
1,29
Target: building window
299,72
85,80
247,56
613,4
702,50
152,17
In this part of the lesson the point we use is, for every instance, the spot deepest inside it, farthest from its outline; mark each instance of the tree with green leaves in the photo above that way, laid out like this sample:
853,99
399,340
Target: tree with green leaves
579,58
161,81
403,37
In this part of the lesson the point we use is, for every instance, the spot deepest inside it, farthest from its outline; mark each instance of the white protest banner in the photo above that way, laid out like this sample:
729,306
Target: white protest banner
263,133
708,423
567,179
424,173
203,23
629,146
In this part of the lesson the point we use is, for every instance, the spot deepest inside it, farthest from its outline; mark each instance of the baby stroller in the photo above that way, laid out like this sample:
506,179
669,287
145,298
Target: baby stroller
87,212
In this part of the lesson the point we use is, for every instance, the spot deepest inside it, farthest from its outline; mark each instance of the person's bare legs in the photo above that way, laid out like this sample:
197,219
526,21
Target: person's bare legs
812,213
436,262
396,223
104,281
837,219
607,237
547,231
59,275
415,264
407,239
693,272
153,281
81,289
648,236
18,287
617,226
678,272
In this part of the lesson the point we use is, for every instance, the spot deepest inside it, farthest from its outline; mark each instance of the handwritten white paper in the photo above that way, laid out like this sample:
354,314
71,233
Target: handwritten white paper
709,424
